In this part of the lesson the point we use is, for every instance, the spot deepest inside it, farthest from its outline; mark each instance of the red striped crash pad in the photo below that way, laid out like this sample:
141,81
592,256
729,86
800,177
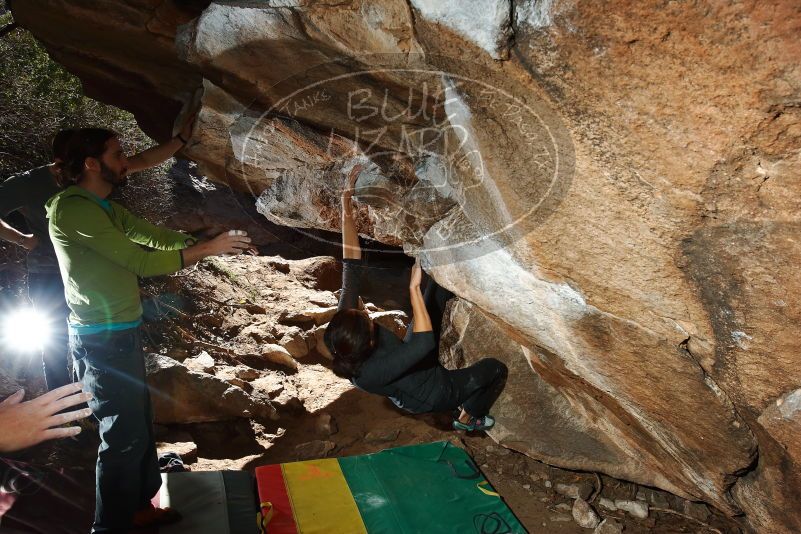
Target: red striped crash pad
432,487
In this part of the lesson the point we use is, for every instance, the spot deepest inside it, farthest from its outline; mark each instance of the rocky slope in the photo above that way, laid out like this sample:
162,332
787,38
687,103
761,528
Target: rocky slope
611,189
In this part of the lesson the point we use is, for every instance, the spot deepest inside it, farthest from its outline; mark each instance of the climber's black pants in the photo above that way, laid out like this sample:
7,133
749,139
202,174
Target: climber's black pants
475,388
111,366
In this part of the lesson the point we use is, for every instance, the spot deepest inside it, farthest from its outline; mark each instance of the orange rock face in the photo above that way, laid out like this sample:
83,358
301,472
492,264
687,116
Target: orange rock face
612,189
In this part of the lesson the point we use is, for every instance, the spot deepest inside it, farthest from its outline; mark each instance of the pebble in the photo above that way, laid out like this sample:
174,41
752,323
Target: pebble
584,515
582,490
609,526
527,486
607,504
638,509
548,484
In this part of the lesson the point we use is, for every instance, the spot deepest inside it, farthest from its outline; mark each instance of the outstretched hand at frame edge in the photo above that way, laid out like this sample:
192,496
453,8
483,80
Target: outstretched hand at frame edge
28,423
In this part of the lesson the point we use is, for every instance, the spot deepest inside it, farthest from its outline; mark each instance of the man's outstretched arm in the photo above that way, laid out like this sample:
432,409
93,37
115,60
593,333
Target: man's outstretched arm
161,153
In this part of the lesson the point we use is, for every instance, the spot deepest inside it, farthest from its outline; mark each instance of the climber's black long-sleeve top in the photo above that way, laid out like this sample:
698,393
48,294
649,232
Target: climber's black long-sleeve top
408,371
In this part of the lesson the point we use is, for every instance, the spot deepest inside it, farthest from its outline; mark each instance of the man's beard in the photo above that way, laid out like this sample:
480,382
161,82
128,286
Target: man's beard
115,179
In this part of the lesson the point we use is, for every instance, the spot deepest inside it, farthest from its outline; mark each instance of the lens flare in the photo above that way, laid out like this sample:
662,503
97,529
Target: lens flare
25,330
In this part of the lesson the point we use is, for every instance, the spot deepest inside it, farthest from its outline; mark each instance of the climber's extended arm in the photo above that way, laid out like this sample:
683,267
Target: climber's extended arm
421,321
350,235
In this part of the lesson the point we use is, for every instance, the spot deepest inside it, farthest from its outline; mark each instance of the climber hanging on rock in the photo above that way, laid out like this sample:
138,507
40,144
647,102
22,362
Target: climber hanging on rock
408,371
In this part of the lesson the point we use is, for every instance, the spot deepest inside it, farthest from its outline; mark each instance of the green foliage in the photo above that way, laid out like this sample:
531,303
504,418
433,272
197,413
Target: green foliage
39,97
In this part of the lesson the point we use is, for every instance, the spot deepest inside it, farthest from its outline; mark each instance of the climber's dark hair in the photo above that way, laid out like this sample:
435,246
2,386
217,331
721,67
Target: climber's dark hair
83,143
349,338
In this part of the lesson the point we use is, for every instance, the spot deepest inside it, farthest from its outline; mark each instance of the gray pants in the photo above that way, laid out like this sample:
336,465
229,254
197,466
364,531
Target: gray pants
111,366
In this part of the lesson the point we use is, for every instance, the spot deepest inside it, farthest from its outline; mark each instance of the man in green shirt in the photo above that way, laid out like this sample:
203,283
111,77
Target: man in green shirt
27,193
99,246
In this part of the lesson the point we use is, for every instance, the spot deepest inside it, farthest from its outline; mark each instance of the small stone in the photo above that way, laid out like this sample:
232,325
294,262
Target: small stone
584,515
203,362
564,507
609,526
548,484
607,504
294,341
278,354
638,509
527,486
247,373
238,382
582,490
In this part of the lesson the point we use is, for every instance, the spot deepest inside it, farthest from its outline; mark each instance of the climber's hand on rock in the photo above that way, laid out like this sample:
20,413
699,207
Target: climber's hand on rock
352,177
417,275
347,193
230,242
27,423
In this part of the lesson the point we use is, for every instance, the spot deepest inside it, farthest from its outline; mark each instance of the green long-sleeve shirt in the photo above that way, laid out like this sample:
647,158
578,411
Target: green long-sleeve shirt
100,257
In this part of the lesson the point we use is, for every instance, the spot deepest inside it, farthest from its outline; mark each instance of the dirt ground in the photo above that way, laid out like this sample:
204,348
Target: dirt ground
229,309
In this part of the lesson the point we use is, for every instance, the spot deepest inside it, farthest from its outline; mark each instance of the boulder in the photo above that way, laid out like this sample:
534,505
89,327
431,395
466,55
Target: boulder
180,395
